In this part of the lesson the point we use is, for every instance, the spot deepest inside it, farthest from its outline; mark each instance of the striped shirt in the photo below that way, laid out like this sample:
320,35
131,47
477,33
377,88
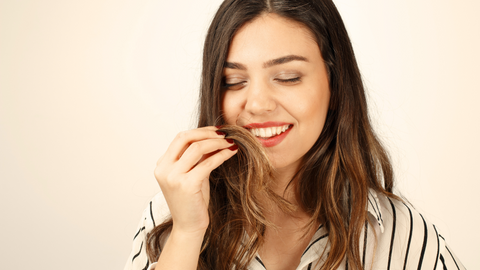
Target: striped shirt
398,237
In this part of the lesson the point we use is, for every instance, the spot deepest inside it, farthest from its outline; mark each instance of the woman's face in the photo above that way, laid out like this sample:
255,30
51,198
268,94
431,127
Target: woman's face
276,86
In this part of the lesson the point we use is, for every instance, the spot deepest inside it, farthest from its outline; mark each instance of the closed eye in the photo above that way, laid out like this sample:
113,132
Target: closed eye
240,85
234,86
289,81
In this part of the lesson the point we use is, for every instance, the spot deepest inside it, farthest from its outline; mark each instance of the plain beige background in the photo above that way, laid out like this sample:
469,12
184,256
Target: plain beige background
93,91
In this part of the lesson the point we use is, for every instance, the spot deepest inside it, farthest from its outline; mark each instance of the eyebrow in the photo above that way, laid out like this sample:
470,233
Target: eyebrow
269,63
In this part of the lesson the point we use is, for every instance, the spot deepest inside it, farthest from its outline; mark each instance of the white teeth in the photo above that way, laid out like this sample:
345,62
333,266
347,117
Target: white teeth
269,132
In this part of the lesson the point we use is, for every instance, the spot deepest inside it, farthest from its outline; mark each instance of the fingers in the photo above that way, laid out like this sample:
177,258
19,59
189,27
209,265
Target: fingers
204,168
183,140
201,147
197,150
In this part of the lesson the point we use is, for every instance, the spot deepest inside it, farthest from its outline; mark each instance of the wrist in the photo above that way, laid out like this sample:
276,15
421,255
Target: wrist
182,250
181,235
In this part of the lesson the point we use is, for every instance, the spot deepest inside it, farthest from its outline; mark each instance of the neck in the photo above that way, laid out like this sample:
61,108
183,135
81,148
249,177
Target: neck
282,186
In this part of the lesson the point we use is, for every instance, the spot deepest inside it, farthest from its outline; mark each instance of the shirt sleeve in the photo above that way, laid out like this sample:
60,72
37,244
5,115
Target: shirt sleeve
154,214
138,259
447,260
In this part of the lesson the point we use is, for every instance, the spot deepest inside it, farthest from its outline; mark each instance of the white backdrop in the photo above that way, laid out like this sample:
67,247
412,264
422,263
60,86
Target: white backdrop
92,92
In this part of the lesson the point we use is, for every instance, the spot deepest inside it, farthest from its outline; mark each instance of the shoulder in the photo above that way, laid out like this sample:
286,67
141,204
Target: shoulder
404,235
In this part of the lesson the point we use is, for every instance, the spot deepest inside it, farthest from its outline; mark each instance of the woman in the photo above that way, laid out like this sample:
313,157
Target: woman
286,72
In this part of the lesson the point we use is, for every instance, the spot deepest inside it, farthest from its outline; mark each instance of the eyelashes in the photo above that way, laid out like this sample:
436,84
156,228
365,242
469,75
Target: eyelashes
233,86
292,80
241,84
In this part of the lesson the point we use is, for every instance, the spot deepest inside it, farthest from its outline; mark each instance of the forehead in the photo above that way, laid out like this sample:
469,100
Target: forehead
270,36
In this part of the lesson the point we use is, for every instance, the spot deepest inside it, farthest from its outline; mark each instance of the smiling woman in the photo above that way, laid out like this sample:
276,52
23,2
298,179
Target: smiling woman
274,77
297,179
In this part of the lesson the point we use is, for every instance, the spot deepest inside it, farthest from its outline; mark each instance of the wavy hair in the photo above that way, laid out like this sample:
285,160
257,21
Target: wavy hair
336,173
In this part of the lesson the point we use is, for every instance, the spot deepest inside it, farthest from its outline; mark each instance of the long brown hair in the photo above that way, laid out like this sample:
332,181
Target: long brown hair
333,181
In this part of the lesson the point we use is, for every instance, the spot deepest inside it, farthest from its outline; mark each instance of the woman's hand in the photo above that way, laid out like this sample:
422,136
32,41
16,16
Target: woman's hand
183,172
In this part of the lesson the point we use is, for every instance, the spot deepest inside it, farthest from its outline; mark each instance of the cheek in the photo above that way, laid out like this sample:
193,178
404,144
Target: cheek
310,105
319,98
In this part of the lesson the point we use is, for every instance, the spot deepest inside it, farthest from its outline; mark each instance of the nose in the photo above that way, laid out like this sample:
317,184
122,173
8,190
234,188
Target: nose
260,99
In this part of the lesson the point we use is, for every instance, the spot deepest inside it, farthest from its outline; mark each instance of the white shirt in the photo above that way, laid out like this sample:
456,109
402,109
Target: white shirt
404,239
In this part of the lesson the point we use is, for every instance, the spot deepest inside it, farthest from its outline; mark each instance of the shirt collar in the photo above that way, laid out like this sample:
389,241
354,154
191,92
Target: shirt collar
320,239
374,208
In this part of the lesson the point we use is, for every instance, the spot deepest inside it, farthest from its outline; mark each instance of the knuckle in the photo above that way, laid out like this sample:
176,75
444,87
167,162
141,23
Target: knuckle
158,170
182,135
159,175
208,163
196,146
160,160
226,154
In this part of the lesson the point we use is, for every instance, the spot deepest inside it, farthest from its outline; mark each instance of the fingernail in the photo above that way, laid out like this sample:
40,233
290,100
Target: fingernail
229,140
218,126
233,147
220,133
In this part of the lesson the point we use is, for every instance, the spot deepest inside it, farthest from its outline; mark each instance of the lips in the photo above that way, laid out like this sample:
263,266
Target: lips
270,133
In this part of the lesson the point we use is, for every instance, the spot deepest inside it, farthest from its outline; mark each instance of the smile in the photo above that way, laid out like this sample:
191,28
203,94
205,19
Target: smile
270,133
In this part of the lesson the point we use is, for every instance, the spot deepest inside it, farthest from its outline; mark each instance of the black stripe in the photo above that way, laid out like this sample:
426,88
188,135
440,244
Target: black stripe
151,214
374,209
377,213
378,208
453,258
140,251
438,247
146,265
424,243
346,263
409,237
365,243
260,261
321,237
309,266
393,233
141,229
443,262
